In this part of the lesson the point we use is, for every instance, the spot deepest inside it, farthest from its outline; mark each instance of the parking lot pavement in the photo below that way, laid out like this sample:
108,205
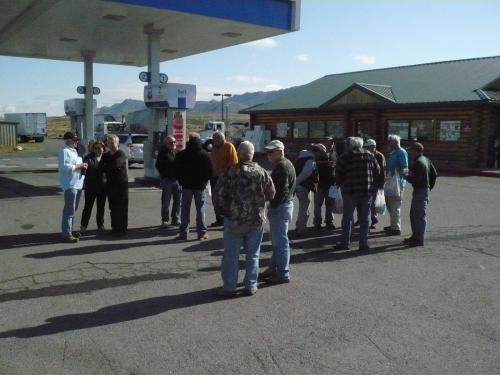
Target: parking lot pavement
145,304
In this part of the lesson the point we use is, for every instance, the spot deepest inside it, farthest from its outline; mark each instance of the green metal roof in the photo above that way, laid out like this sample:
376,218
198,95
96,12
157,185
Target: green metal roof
448,81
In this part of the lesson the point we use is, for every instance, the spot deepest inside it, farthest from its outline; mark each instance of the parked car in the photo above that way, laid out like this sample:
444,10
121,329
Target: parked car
133,146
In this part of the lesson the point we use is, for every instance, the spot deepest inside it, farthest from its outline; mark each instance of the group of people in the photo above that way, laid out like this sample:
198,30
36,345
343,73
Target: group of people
102,175
245,195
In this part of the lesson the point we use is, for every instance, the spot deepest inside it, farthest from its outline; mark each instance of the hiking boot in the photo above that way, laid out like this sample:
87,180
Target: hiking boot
364,248
250,291
202,236
69,239
226,293
340,246
330,226
276,279
393,232
266,274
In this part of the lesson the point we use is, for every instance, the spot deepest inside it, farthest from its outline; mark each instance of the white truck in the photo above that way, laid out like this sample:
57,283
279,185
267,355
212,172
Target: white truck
29,125
209,128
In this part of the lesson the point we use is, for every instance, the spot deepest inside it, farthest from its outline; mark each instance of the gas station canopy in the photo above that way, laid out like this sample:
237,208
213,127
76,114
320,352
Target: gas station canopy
115,29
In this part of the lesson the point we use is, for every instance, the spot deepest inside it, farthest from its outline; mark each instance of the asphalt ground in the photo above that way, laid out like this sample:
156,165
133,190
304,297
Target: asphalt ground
145,304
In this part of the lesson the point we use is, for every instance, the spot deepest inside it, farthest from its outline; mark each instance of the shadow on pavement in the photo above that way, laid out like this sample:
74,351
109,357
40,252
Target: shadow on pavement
119,313
10,188
88,286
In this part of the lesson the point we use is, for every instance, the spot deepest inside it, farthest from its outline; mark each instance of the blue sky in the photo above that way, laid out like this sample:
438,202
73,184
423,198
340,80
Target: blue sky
335,37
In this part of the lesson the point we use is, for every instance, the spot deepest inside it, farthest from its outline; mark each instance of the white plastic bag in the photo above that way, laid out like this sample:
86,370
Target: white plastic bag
391,187
338,203
380,202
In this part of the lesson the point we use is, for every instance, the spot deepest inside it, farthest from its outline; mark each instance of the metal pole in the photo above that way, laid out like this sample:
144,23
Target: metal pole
222,109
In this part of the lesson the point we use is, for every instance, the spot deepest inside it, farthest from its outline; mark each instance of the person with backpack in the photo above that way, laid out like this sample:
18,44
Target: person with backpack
422,176
306,182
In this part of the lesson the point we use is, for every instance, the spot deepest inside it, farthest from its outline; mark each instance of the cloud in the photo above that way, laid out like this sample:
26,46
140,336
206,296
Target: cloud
7,108
365,59
248,79
302,57
263,43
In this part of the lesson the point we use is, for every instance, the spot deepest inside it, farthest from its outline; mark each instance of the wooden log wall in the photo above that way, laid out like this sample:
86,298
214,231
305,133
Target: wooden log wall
478,124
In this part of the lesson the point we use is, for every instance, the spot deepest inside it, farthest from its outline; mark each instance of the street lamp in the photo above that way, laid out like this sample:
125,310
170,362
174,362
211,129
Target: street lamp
222,106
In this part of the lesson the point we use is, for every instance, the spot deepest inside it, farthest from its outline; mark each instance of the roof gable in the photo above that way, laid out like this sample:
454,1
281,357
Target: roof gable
362,93
441,82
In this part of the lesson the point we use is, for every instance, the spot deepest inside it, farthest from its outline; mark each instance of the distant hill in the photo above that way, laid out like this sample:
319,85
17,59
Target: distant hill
234,104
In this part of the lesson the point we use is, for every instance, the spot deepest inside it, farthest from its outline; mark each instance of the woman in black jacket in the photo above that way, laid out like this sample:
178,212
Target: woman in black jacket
94,187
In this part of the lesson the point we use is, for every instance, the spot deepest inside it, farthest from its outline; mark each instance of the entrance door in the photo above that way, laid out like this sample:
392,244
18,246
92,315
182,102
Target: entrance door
364,128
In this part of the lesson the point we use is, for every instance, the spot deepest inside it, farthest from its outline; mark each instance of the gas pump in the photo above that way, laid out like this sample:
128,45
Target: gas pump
75,109
166,114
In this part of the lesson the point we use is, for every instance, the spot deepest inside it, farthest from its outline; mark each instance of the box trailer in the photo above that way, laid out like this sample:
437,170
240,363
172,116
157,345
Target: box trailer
29,125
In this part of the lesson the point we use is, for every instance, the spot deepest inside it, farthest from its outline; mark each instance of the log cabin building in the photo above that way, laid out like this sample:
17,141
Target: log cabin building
452,107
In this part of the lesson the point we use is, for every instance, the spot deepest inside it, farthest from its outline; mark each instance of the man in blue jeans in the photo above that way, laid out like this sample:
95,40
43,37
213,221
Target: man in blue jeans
279,214
240,196
357,172
193,169
423,177
71,177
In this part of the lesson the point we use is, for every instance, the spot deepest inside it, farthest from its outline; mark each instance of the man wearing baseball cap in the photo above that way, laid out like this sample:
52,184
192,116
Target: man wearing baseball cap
279,213
71,177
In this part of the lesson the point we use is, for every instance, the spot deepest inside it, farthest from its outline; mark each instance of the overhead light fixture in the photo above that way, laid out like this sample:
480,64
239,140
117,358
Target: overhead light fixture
114,17
230,34
113,12
68,39
167,50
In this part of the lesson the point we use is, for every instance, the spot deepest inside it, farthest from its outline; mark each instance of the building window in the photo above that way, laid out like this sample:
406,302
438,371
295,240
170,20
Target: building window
317,129
282,130
300,129
449,131
399,127
422,130
335,129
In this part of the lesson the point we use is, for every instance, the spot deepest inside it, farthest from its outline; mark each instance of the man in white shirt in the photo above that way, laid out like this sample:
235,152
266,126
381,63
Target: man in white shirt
71,177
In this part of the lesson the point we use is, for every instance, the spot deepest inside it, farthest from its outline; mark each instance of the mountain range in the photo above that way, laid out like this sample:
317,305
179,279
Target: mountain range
234,103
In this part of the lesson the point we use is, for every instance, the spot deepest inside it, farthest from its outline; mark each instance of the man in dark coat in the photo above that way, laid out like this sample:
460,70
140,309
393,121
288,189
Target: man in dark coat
423,177
193,169
171,190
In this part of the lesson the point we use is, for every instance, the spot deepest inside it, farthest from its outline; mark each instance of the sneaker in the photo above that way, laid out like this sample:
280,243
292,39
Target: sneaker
266,274
77,234
318,227
393,232
356,223
373,226
180,237
413,242
69,239
276,279
330,226
387,228
164,223
408,240
101,228
175,223
340,246
364,248
83,229
203,236
226,293
250,291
